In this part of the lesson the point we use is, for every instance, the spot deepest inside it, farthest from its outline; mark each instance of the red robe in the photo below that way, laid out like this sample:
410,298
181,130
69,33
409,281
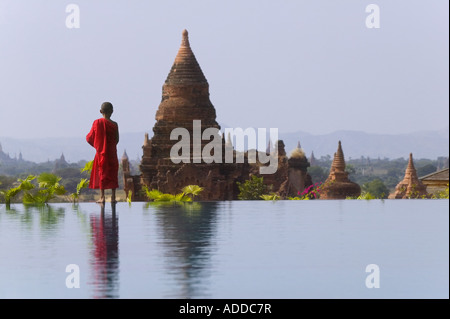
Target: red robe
103,137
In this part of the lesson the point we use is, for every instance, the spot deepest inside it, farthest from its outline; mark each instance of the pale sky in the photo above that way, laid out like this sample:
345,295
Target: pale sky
294,65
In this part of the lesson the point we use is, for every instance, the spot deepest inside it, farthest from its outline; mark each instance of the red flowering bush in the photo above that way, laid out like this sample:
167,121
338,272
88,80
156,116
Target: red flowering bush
311,192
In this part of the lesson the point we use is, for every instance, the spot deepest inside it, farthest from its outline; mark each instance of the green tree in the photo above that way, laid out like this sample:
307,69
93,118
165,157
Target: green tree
252,189
376,188
350,168
318,174
425,170
391,182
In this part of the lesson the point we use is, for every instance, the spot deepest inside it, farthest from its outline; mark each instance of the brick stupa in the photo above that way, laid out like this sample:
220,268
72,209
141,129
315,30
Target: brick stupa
185,98
411,186
338,185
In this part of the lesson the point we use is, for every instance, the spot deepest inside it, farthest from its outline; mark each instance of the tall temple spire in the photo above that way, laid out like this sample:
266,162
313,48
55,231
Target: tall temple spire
185,93
185,69
185,99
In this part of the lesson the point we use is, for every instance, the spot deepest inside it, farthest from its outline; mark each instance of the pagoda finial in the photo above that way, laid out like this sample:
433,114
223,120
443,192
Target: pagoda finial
410,168
125,155
185,39
339,162
410,163
185,70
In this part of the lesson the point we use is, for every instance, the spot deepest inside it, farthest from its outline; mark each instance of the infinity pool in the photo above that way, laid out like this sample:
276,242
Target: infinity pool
235,249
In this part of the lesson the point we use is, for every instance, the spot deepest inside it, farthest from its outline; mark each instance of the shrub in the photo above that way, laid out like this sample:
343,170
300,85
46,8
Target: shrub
252,189
376,188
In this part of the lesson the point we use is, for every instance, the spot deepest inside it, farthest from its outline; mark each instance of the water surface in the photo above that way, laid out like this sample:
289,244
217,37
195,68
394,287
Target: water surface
235,249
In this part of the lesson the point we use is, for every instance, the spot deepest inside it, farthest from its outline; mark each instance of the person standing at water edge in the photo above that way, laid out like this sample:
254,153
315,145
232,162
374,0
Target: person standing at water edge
104,136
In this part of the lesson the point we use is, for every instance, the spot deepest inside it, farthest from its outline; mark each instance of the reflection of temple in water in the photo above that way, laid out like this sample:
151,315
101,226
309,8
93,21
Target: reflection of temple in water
105,254
188,230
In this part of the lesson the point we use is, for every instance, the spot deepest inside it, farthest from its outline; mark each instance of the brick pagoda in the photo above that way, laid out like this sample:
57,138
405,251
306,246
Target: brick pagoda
411,186
338,185
185,98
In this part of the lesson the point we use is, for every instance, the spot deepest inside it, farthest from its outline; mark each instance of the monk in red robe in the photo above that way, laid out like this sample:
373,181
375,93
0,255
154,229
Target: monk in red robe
104,136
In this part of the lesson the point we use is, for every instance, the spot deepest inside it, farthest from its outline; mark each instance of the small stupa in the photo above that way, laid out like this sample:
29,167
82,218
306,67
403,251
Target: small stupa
411,186
338,185
312,159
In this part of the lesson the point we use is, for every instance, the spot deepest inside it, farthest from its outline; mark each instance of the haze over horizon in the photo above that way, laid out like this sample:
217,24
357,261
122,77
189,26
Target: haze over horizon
443,131
297,66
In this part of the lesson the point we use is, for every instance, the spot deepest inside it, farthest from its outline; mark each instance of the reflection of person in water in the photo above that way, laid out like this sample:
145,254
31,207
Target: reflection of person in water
105,236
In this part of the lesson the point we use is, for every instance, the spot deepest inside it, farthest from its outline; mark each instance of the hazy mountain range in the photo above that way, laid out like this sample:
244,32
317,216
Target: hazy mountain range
424,144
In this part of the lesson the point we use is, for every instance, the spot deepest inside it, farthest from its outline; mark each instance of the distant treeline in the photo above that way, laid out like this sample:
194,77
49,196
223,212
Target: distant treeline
362,170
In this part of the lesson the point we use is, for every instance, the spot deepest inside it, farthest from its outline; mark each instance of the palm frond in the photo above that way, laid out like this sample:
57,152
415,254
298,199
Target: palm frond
165,198
153,194
194,190
25,184
46,180
181,197
37,199
88,167
270,197
84,183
